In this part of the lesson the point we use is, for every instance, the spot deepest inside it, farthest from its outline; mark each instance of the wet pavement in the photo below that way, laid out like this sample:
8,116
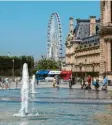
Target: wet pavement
60,106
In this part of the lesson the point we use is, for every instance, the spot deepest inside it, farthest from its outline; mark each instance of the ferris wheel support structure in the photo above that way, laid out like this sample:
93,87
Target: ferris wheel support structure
54,37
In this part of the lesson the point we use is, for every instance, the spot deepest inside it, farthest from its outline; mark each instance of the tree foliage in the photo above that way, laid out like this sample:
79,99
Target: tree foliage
49,64
7,63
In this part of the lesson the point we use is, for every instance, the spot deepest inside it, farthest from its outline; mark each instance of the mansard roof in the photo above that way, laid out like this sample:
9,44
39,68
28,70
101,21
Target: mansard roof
82,20
86,20
91,39
82,28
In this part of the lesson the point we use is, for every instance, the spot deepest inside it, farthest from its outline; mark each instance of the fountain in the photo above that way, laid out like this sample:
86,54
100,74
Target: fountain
23,112
33,92
33,81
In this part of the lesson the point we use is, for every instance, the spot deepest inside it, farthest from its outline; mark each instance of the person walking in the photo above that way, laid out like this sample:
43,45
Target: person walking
105,83
80,82
70,82
1,84
54,82
96,83
89,82
57,80
83,83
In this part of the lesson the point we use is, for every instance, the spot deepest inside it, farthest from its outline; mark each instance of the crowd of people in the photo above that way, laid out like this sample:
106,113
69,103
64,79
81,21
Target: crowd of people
5,82
85,82
88,81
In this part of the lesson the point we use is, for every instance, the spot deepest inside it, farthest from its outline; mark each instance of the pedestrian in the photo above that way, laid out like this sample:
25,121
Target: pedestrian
70,82
105,83
83,83
96,83
54,82
89,79
6,83
37,82
1,84
73,81
80,82
57,80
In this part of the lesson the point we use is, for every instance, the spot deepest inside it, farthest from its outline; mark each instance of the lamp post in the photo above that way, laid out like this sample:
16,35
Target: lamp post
20,65
13,68
80,65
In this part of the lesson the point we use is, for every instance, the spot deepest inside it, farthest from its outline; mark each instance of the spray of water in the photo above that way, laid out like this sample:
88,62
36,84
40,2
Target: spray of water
24,92
23,112
33,82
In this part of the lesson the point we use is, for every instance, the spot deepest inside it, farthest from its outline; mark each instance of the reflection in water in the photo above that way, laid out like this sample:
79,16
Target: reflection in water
55,91
70,106
24,122
88,94
33,83
33,109
111,107
32,102
71,92
58,88
97,94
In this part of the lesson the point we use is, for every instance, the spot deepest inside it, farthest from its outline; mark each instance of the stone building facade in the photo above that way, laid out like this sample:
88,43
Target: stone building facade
88,44
82,46
106,39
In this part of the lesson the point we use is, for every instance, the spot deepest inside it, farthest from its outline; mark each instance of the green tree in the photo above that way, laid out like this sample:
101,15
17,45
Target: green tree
7,63
49,64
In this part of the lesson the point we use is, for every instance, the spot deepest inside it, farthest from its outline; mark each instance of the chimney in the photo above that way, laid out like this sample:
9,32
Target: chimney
71,28
92,25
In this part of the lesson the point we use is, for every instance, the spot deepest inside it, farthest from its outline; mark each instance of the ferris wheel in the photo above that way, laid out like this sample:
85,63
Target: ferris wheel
54,42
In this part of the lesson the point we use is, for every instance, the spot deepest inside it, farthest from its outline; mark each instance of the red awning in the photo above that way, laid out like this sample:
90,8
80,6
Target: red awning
66,74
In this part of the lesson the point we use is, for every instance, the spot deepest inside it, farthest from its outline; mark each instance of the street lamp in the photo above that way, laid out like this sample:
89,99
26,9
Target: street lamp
80,65
13,68
85,67
20,65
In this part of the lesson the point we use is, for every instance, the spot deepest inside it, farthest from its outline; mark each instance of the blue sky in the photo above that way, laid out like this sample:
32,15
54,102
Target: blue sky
23,25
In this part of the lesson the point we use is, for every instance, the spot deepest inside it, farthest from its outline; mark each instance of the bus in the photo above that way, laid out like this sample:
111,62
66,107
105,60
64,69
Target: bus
42,74
52,74
49,75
